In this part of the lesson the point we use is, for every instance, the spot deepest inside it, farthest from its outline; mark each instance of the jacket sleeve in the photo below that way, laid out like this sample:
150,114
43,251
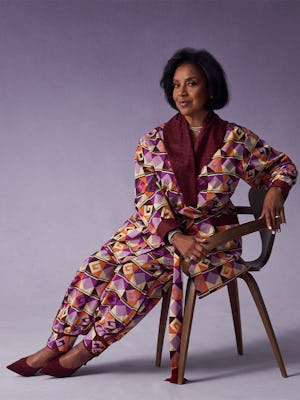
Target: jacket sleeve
150,200
264,166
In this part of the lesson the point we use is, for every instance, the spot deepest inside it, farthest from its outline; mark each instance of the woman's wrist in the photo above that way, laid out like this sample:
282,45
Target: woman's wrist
172,234
275,189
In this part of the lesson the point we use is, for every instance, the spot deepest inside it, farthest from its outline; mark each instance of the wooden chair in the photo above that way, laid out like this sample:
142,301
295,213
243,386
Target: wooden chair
256,198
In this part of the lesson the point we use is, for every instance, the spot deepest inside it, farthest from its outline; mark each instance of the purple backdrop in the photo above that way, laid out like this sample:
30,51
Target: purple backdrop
80,85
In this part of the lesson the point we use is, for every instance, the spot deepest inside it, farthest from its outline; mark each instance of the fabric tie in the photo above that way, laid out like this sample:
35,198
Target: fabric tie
175,318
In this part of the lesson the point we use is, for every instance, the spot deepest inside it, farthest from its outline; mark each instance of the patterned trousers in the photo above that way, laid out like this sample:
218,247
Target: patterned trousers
106,299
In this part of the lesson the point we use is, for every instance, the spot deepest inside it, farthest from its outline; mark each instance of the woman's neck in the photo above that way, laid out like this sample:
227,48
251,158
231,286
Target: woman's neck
196,120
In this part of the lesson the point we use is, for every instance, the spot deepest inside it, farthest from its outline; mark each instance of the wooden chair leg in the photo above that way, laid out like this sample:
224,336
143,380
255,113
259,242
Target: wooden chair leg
186,328
236,316
162,324
255,292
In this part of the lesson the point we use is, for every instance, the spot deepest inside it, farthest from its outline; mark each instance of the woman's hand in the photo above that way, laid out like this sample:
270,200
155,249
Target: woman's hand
273,210
189,247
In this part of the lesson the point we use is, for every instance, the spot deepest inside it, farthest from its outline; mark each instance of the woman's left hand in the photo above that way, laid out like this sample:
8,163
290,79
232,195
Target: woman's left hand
273,209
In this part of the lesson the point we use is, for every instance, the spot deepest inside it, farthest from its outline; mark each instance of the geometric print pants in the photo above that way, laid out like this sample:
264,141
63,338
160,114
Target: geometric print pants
106,299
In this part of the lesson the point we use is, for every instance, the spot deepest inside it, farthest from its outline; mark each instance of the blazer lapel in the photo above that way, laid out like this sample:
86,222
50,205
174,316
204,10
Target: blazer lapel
180,151
187,160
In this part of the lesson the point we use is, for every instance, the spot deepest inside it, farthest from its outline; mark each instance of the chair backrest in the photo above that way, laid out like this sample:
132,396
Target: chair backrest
256,200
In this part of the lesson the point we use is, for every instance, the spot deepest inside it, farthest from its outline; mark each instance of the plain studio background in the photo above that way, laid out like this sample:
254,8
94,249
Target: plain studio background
79,86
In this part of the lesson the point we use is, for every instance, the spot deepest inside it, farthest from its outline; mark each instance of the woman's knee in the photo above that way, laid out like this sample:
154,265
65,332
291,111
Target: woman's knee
100,265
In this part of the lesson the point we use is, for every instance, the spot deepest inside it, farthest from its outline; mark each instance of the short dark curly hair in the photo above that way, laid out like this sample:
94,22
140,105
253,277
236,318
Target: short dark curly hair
208,65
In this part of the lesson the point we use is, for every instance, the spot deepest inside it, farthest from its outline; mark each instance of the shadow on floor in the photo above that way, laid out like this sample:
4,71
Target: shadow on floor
216,364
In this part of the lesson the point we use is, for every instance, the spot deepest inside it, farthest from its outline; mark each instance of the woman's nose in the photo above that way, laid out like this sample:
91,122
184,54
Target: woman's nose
183,91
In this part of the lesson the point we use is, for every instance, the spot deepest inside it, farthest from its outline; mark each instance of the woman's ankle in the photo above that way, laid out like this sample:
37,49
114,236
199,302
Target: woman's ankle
76,357
42,357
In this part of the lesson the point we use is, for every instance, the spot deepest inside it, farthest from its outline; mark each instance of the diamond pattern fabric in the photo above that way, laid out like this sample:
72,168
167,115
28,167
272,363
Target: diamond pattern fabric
122,281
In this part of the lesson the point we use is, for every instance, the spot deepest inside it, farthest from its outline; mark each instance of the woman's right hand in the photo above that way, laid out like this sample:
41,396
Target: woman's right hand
189,247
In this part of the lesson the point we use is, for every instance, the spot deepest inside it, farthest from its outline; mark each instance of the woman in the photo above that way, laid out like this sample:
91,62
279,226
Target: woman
185,174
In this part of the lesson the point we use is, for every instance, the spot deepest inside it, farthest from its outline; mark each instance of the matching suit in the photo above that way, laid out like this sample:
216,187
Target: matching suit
178,185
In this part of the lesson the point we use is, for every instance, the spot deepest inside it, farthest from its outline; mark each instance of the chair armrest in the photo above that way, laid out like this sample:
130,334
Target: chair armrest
234,233
243,210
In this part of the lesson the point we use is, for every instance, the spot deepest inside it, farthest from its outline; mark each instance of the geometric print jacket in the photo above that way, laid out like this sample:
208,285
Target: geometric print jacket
159,201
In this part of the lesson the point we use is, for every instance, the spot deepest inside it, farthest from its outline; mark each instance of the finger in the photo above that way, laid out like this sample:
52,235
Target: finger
268,220
191,259
279,217
202,253
195,255
201,240
282,216
271,224
195,260
201,249
277,221
274,218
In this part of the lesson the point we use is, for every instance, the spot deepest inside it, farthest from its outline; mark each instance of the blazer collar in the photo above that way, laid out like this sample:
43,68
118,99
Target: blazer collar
187,160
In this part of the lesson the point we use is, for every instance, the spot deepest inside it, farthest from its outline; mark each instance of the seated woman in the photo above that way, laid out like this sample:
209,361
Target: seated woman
186,171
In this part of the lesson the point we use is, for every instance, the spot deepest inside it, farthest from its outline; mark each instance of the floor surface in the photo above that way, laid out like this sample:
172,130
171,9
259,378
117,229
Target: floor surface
127,370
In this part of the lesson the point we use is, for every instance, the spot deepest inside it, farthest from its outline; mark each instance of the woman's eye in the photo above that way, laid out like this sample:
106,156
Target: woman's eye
192,83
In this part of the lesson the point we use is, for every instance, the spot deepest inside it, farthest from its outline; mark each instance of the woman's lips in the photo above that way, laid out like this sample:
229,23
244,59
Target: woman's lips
183,103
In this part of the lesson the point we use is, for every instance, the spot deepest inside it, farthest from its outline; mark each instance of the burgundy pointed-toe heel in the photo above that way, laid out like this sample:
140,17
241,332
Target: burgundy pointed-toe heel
22,368
53,368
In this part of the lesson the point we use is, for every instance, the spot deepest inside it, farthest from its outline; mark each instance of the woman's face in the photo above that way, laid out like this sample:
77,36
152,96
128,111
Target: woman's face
190,93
